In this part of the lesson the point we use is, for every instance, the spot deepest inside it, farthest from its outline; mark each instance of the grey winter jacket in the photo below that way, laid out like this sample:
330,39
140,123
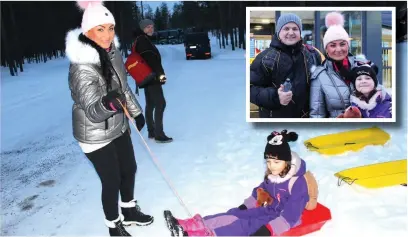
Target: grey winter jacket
329,93
92,122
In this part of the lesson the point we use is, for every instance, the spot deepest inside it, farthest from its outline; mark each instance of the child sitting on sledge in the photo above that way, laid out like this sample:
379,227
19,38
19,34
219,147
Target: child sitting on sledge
371,102
274,207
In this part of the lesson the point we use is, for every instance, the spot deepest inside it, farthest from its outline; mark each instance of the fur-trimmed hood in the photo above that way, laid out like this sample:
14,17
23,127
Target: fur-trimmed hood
371,104
81,53
298,168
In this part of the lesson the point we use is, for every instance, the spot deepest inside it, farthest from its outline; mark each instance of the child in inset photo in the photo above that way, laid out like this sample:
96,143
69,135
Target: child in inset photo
274,207
371,102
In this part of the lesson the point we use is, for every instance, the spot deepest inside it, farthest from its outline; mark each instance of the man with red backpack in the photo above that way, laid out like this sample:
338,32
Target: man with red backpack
152,84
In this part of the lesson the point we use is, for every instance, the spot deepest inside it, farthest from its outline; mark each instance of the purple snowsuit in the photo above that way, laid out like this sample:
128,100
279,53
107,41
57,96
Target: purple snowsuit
283,214
377,107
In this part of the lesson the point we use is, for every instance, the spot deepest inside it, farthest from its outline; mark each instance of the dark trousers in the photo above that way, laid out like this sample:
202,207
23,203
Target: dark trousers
155,101
116,166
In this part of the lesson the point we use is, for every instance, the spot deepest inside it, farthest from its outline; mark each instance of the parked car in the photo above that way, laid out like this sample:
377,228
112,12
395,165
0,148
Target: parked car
174,37
197,44
162,37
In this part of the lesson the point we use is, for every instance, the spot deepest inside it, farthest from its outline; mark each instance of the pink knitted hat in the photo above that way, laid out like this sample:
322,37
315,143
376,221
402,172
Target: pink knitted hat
94,14
335,30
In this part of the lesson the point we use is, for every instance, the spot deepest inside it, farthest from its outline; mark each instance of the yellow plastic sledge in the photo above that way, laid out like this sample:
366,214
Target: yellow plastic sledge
333,144
376,175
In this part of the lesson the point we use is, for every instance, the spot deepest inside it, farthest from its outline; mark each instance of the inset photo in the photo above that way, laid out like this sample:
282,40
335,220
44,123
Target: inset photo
320,64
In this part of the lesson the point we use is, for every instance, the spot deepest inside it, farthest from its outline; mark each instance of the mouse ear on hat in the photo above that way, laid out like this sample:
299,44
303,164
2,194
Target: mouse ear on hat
272,135
289,137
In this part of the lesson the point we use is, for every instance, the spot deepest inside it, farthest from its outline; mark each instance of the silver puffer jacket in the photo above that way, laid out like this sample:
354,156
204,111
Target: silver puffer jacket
92,122
329,93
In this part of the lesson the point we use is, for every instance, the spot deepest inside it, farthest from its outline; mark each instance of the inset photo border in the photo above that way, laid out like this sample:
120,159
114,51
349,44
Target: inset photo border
371,46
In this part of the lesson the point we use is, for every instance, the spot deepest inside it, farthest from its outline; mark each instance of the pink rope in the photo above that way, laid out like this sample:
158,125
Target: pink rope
156,162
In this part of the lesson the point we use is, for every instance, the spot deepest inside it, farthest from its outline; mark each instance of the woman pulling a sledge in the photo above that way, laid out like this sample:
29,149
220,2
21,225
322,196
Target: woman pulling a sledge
99,88
260,215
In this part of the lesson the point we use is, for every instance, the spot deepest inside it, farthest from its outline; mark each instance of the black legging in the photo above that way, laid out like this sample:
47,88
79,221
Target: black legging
155,101
116,166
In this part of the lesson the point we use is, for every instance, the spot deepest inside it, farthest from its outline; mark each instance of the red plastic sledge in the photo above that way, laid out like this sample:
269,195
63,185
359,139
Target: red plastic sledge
311,221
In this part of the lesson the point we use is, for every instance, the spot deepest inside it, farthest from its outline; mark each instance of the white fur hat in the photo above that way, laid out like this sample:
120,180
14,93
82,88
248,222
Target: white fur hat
335,31
94,14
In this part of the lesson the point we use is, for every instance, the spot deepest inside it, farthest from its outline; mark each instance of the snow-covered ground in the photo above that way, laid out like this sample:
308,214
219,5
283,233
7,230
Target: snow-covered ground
48,187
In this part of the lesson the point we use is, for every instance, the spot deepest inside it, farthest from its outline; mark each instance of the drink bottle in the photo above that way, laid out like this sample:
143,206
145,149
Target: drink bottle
287,86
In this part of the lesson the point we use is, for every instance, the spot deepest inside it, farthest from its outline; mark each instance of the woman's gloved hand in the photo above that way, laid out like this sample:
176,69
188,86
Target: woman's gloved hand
111,101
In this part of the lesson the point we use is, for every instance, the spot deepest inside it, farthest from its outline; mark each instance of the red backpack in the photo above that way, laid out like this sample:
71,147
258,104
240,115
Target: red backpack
137,67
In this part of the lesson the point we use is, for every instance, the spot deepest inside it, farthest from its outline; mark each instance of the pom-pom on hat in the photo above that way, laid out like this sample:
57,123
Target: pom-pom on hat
278,146
94,14
335,31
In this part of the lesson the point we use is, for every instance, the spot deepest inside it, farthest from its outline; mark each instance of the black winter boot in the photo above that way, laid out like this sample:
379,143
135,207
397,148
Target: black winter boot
133,215
151,134
116,227
163,139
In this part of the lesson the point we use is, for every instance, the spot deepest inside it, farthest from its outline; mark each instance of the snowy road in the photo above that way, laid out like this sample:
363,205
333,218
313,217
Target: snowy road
48,187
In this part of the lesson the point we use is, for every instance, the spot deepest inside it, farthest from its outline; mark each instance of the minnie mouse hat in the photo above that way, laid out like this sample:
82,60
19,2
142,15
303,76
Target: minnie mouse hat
94,14
278,145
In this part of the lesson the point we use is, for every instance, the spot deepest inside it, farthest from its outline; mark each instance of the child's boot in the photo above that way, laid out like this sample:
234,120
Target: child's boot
195,223
202,232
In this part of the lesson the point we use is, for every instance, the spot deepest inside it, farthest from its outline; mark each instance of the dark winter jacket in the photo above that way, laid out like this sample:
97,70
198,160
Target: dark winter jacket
90,78
377,106
150,54
283,214
271,68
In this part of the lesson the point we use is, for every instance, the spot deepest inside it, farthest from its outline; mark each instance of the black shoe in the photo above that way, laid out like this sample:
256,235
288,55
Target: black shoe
151,135
163,139
133,215
116,227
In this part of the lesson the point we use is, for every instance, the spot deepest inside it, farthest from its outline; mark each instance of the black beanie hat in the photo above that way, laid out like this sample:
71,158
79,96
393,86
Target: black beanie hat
360,68
278,145
365,69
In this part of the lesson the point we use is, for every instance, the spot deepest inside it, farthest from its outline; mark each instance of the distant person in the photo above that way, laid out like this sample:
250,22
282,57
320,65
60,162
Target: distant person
332,82
98,84
286,58
153,88
366,97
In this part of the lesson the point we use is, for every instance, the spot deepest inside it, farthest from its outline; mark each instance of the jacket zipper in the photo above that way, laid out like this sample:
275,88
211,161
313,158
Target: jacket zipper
121,86
274,194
